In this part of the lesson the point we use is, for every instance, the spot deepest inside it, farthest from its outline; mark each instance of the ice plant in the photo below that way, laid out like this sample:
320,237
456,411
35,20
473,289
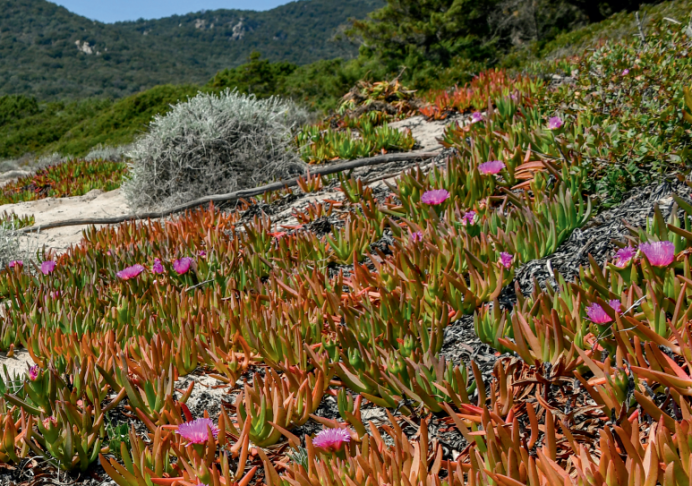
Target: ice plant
492,167
506,259
624,255
16,263
659,253
157,267
468,218
331,439
417,236
33,372
435,197
182,266
130,272
47,267
597,314
555,123
476,117
196,432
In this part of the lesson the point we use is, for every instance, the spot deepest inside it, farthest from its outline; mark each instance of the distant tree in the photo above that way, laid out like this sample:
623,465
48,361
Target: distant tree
597,10
415,33
258,76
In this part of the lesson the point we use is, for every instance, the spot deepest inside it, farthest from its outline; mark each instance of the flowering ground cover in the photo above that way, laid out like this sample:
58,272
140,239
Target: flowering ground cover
593,384
73,178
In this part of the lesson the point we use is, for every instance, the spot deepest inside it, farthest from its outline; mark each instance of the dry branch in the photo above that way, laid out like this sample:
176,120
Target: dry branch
234,196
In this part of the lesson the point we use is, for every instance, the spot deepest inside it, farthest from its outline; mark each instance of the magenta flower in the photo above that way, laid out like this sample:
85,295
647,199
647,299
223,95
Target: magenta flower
476,117
624,255
435,197
506,259
55,294
468,218
196,431
555,122
492,167
16,263
331,439
659,253
182,266
47,267
417,236
615,304
625,72
597,314
33,372
130,272
202,253
157,267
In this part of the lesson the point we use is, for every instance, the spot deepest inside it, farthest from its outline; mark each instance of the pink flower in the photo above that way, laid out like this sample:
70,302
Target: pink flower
625,72
55,294
659,253
615,304
183,265
417,236
624,256
435,197
16,263
49,422
492,167
331,439
202,253
33,372
476,117
157,267
597,314
555,122
130,272
506,259
196,431
47,267
468,218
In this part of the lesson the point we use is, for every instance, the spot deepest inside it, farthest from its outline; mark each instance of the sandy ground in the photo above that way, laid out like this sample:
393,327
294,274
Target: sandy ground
95,204
16,365
425,132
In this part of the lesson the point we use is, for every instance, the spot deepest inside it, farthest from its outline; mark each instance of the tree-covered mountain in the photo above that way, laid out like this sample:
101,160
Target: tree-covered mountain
48,52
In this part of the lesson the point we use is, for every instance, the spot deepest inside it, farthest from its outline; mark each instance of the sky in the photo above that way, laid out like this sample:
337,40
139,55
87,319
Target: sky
116,10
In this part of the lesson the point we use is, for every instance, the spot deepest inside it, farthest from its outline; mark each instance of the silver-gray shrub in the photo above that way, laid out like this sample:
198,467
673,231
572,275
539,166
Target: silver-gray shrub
213,144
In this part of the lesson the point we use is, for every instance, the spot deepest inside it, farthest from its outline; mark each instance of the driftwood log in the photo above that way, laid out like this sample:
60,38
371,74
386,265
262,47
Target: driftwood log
234,196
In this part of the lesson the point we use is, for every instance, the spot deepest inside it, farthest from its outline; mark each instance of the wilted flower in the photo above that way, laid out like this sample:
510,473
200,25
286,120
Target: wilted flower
157,267
597,314
331,439
130,272
182,266
659,253
476,116
624,255
468,218
33,372
625,72
506,259
196,431
555,122
435,197
492,167
417,236
16,263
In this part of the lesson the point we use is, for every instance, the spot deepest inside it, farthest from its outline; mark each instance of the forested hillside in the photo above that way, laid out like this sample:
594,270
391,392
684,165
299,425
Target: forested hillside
50,53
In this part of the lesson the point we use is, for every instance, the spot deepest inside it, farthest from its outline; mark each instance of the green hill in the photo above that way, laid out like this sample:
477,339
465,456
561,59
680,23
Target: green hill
50,53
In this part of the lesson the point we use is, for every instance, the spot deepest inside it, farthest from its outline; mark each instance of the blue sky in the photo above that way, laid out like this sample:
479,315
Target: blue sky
115,10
